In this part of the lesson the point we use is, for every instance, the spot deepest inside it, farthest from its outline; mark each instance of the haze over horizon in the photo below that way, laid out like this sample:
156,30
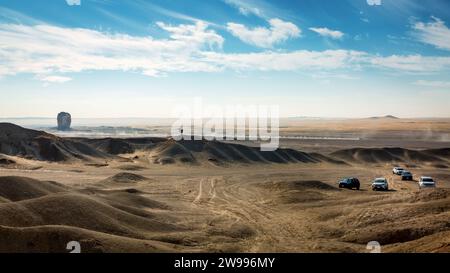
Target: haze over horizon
99,58
4,119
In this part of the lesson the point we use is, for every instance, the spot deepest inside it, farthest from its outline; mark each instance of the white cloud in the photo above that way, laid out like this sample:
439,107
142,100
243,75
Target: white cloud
435,84
73,2
290,61
57,49
326,32
55,79
261,8
193,34
245,8
412,63
374,2
190,48
435,33
278,32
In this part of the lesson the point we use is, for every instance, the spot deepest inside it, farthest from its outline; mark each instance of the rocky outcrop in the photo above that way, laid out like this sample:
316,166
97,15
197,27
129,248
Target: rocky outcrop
64,121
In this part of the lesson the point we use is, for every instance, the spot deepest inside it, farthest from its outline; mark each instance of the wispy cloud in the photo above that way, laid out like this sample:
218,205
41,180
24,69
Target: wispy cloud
434,84
58,49
289,61
261,8
126,21
245,7
12,16
189,48
374,2
278,32
326,32
55,79
435,33
412,63
73,2
150,7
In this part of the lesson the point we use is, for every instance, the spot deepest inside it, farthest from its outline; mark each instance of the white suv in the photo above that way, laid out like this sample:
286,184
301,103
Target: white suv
426,182
397,170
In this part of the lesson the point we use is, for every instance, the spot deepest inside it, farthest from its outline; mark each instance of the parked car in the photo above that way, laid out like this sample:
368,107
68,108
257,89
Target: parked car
380,184
349,183
426,182
397,170
407,175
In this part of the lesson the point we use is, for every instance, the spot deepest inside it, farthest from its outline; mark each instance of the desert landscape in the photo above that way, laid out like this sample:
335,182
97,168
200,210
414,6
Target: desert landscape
231,134
151,194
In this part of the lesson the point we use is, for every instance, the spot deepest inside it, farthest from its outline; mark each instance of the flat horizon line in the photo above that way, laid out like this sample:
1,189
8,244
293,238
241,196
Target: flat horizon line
285,117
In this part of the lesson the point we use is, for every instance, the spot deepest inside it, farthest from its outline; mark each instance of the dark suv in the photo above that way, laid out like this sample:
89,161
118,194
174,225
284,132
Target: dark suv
407,175
349,183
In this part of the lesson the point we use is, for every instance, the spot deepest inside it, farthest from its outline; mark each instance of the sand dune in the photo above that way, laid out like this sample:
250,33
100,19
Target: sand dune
45,239
133,199
125,177
116,146
433,215
435,243
41,216
249,201
18,163
6,161
38,145
232,215
18,141
22,188
301,185
79,211
291,192
425,196
444,152
112,146
218,152
392,155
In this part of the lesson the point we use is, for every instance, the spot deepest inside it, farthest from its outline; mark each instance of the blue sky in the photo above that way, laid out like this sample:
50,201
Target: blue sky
110,58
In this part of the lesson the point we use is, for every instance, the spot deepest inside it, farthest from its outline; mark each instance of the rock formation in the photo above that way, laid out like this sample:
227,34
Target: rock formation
64,121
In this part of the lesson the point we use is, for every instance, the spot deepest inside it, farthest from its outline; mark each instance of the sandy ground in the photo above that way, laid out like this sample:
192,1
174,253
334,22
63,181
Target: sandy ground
139,206
292,208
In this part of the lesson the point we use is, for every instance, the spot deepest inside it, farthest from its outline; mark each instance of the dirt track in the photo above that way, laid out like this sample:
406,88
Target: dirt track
273,208
133,203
